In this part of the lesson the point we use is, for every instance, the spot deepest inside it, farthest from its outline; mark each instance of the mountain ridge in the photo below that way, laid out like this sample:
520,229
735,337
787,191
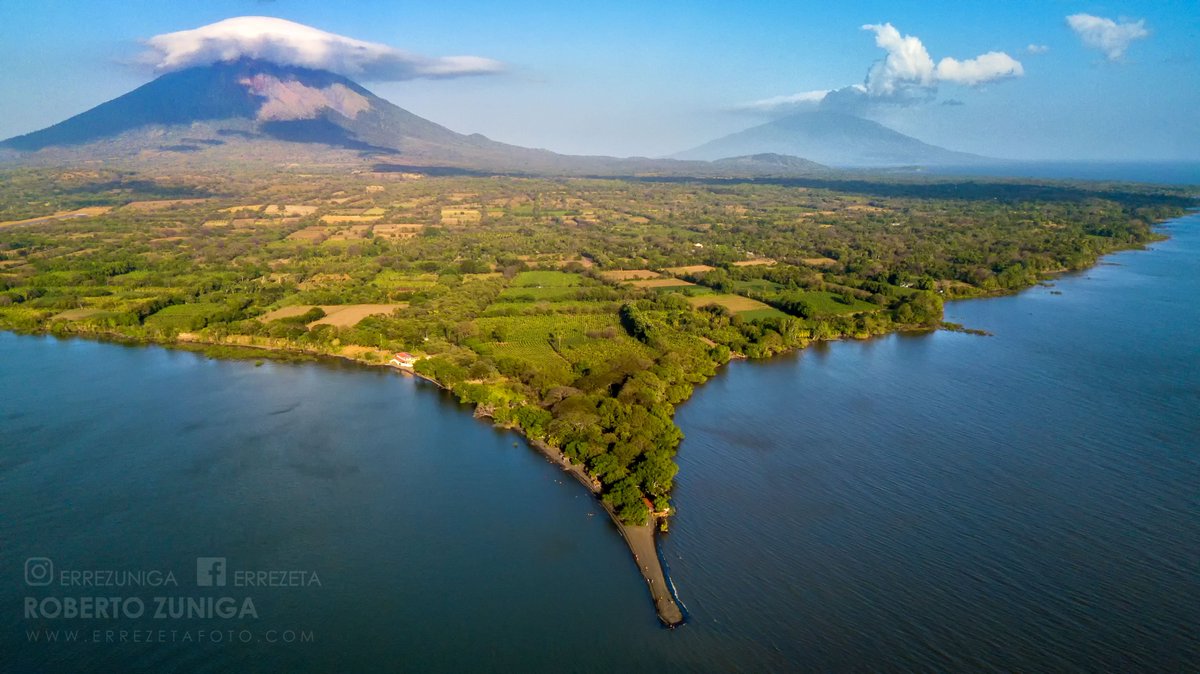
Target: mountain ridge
832,139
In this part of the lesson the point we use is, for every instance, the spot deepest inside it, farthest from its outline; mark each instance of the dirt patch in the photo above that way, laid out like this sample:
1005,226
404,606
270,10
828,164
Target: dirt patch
399,231
312,234
352,233
690,269
734,303
629,274
350,314
344,219
159,204
341,315
76,314
754,263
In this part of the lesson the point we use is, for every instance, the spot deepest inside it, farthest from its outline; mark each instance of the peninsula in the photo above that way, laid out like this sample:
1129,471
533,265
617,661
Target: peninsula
579,311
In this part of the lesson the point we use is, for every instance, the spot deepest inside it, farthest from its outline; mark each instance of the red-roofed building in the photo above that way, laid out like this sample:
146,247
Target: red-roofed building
403,359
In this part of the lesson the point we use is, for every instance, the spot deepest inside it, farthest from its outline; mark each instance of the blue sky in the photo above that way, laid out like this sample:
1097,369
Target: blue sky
655,78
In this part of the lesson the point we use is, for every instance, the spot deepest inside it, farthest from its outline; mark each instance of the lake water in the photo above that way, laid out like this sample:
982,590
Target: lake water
1161,172
1027,501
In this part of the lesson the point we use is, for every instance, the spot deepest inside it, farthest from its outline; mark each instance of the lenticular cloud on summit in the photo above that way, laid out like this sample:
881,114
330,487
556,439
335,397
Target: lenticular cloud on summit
294,44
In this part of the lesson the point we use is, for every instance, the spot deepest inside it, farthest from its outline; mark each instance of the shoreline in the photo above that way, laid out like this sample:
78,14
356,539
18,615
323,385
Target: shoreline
640,539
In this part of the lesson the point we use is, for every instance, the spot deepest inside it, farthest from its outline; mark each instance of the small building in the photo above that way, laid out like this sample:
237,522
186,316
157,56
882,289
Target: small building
403,359
656,513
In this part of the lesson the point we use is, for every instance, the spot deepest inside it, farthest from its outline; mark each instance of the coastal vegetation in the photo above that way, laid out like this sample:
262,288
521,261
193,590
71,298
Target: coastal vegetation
581,311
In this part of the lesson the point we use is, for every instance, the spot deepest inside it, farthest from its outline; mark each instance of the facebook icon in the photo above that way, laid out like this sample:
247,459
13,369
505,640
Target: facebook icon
210,571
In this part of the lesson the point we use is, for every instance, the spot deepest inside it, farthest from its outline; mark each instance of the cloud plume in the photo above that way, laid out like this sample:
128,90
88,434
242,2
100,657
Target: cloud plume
994,65
1110,37
802,99
906,75
289,43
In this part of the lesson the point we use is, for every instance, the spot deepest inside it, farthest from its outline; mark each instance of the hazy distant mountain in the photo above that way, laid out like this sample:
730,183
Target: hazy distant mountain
833,139
251,110
769,161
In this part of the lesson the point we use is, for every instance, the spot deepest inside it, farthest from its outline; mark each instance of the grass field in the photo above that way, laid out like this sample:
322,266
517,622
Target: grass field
394,280
757,285
819,261
825,304
661,283
184,316
562,306
742,306
546,279
586,340
538,293
769,312
159,204
88,212
689,290
460,216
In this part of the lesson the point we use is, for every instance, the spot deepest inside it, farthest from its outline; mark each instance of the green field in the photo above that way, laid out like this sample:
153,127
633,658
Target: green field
185,316
555,344
689,291
563,306
395,280
825,304
536,294
756,285
756,314
546,279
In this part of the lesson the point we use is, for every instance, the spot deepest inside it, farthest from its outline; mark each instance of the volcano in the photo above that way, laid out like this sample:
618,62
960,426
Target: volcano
250,99
255,109
834,139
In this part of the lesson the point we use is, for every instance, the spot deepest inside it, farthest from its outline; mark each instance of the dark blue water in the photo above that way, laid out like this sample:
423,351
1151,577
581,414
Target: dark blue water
1028,501
1023,502
1159,173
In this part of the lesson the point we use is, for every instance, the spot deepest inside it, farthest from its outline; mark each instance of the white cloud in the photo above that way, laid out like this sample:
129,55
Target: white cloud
1037,49
907,63
1108,36
906,75
800,101
994,65
289,43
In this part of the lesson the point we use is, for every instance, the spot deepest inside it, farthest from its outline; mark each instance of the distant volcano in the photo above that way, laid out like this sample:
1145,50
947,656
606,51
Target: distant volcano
833,139
237,108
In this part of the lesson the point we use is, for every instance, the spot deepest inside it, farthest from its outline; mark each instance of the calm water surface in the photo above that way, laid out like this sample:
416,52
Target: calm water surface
1028,501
